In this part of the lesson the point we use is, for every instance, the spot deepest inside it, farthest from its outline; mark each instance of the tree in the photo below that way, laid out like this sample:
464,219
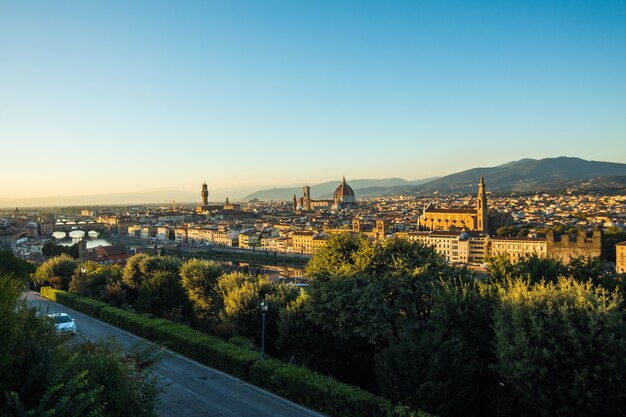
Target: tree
164,296
42,375
130,385
610,237
348,254
95,278
199,278
12,265
530,267
132,274
57,271
344,254
240,300
560,349
444,362
67,395
361,295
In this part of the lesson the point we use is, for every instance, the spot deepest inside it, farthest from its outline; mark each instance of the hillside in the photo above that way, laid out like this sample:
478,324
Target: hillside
526,175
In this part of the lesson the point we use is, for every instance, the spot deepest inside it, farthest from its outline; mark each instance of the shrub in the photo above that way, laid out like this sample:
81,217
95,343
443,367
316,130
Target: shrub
88,305
561,349
58,296
203,348
320,392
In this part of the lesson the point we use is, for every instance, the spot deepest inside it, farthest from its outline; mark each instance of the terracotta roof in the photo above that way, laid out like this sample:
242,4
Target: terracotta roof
112,250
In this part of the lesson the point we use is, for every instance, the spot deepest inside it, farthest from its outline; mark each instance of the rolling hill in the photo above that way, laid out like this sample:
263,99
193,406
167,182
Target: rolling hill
525,175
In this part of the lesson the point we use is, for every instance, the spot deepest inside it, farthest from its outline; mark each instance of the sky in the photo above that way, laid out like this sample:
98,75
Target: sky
102,97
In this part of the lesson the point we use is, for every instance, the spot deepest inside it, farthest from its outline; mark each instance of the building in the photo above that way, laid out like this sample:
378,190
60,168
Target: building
457,247
376,232
148,232
204,206
249,240
108,255
620,257
567,247
343,198
475,219
163,233
519,247
180,234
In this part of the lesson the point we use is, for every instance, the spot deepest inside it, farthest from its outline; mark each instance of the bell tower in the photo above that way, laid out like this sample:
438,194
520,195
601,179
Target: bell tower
481,207
307,197
205,195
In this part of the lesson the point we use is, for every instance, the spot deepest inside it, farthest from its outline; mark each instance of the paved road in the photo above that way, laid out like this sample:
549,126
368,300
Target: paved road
189,388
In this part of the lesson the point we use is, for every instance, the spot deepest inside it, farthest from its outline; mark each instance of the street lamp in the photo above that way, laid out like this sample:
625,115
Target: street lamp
264,307
82,280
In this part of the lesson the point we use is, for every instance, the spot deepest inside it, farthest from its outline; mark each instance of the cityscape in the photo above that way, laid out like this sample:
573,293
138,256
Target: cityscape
312,209
465,230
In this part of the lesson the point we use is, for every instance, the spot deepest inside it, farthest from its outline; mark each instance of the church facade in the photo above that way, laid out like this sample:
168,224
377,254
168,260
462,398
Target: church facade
476,219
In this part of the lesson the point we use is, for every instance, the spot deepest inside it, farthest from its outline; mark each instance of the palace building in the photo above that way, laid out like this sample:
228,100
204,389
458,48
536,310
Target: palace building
475,219
343,198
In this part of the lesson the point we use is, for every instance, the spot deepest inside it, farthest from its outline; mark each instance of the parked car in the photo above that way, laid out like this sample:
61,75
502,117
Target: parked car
63,323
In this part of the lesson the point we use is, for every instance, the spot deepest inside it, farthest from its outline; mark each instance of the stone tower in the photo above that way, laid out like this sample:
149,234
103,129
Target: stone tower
481,206
381,229
295,204
307,197
205,195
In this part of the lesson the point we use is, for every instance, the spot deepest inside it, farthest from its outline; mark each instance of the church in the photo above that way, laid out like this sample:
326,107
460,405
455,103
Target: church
343,198
475,219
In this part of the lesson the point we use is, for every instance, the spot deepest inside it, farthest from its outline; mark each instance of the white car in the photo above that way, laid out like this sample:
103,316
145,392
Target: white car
63,323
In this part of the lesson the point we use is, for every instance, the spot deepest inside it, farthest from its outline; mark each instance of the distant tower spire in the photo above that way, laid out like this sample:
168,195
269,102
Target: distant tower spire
481,206
295,203
307,197
205,194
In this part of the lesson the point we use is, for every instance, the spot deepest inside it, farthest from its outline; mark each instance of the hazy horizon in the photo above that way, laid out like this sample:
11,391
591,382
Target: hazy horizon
129,97
165,196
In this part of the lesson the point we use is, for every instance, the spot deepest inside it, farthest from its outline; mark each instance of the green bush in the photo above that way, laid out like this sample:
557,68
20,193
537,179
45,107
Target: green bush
291,381
88,305
58,296
203,348
321,393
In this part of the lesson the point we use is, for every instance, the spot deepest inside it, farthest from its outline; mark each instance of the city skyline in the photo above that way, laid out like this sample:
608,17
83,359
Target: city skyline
124,98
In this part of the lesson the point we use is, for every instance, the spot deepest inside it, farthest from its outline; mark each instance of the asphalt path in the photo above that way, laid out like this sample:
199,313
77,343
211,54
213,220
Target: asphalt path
189,389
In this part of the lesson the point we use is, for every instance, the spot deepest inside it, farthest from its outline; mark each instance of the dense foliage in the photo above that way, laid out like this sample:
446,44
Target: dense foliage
14,266
56,272
535,337
42,374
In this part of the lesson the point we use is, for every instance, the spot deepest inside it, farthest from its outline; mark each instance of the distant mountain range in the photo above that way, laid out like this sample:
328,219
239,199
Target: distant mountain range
525,175
326,189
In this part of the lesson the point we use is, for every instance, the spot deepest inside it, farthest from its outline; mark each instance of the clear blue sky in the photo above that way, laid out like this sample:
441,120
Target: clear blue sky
111,96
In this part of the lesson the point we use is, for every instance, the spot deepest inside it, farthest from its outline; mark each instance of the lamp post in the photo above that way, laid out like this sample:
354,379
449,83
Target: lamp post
82,280
263,311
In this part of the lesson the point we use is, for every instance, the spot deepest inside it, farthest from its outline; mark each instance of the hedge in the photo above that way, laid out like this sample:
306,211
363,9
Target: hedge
316,391
209,350
293,382
59,296
88,305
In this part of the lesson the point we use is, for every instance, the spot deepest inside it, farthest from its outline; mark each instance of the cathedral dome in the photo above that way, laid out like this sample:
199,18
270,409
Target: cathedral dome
344,193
